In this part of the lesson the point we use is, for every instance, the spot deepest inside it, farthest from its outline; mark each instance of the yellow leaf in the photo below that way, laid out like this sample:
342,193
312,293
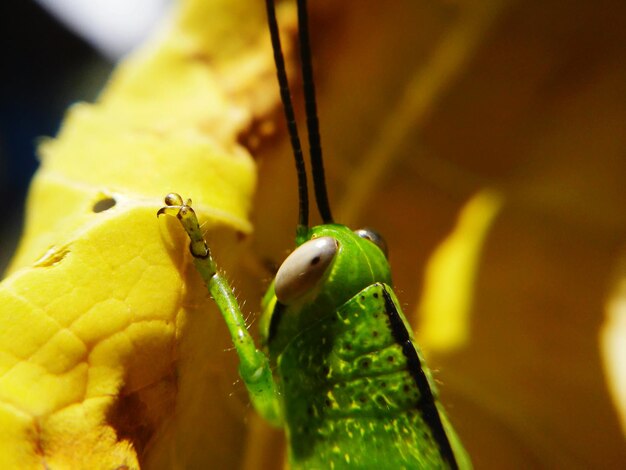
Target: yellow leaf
111,354
451,274
613,349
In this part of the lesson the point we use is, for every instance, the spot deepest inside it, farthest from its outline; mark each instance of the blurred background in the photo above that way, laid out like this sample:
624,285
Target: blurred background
428,107
46,68
425,107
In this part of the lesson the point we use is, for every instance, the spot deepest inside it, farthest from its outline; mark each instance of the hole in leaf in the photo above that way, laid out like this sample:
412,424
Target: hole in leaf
103,204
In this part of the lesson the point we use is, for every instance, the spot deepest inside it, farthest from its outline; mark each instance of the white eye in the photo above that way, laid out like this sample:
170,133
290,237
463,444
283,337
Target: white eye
303,268
374,237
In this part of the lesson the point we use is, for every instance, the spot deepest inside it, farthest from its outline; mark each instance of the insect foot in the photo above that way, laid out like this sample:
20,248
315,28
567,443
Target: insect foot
189,220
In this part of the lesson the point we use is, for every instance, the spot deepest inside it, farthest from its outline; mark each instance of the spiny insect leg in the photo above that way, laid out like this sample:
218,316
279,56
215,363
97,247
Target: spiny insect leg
254,366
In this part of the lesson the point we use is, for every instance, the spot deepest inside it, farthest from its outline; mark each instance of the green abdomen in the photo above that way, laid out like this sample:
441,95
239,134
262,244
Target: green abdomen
357,394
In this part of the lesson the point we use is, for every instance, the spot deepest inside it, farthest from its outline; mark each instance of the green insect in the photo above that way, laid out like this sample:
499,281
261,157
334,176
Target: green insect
341,372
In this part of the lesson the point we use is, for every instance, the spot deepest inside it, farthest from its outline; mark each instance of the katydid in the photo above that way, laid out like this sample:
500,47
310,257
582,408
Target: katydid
340,370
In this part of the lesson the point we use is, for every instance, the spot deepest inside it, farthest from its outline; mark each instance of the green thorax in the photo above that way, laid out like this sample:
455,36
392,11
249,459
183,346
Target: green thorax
344,377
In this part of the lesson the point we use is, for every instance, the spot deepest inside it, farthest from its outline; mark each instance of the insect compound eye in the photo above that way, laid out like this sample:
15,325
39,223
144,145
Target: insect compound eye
303,268
374,237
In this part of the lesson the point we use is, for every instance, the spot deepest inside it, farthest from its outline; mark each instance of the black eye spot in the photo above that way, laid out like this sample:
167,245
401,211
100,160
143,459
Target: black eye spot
374,333
315,260
376,295
365,364
406,388
103,204
390,359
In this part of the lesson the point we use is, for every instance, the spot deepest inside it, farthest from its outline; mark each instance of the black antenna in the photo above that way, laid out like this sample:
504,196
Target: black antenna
315,146
285,96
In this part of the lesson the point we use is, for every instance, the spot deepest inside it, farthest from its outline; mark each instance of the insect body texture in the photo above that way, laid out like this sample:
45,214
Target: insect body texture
349,386
351,375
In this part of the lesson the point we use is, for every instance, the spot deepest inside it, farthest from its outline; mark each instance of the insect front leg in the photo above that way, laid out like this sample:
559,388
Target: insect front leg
254,365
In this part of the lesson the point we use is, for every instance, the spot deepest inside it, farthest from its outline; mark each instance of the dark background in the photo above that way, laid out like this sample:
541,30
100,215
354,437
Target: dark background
45,69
